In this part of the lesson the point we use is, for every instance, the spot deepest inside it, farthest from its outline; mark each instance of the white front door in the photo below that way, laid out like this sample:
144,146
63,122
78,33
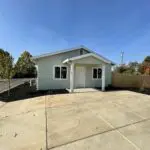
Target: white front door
80,77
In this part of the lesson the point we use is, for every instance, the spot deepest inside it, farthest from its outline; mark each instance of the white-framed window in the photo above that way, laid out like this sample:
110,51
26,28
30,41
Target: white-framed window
60,72
96,73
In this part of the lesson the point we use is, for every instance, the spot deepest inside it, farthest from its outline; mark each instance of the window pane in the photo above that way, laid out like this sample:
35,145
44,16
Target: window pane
81,51
63,72
57,72
99,73
94,73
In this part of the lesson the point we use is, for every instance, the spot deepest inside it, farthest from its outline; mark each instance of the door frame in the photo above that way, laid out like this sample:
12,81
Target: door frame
84,68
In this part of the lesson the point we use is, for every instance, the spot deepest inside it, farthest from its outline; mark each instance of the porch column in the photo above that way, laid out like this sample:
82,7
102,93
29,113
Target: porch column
71,77
103,78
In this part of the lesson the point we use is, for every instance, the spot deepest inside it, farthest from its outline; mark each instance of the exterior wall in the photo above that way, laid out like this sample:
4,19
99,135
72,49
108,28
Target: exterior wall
45,71
85,51
37,70
89,81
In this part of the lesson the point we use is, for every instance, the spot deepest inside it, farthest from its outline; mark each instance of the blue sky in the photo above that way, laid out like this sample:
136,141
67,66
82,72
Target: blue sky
106,26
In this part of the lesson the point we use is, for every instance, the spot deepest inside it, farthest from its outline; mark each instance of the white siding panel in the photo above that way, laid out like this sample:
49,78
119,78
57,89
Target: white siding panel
45,69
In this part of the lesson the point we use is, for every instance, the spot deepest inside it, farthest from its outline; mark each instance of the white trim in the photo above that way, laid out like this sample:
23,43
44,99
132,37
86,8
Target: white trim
97,73
60,72
85,75
72,77
62,51
37,79
103,77
84,56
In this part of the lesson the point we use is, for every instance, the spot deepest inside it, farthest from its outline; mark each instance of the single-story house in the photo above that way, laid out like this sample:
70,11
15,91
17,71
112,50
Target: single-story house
72,68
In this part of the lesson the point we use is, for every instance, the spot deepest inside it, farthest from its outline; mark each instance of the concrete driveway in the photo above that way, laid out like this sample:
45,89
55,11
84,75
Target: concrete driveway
95,120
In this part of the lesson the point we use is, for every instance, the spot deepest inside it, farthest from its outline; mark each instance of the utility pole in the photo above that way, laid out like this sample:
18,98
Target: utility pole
122,56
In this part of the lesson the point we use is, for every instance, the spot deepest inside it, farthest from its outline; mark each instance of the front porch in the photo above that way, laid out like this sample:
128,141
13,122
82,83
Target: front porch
84,90
86,73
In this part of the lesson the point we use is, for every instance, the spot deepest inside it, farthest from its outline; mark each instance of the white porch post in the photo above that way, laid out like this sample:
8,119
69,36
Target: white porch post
71,77
103,78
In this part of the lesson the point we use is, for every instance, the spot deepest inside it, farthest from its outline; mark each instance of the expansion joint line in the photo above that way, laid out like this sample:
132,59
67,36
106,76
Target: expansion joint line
115,129
46,129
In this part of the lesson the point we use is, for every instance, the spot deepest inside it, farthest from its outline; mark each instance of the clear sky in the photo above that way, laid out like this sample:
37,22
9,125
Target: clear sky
106,26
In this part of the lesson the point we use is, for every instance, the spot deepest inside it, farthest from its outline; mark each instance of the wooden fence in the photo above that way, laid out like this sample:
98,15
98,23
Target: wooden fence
130,81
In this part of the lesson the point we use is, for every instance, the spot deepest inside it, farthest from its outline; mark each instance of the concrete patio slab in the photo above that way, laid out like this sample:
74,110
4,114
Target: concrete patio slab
94,120
107,141
139,134
66,125
107,111
145,113
79,116
133,100
23,106
1,104
23,132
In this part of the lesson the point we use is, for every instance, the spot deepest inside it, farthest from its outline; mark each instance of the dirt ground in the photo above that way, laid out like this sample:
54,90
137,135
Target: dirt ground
80,121
13,83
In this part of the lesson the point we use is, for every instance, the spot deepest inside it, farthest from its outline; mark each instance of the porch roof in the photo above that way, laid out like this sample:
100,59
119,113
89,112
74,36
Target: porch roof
85,56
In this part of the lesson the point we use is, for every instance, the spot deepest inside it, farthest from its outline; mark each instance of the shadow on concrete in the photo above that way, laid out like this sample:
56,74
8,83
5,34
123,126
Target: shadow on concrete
138,90
25,91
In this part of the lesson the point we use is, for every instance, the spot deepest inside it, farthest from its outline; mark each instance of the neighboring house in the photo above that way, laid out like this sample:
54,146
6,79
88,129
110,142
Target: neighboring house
72,68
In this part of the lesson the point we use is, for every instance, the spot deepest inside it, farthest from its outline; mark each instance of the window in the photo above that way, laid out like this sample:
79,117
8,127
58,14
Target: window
60,72
63,72
94,73
81,51
97,73
57,72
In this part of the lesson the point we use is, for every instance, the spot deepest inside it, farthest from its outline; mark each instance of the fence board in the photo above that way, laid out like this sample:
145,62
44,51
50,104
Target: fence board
130,81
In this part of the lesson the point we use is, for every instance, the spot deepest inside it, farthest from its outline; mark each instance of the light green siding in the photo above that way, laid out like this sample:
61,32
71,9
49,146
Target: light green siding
45,65
89,81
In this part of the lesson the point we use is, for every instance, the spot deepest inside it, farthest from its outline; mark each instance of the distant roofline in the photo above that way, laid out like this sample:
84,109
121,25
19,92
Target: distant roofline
68,50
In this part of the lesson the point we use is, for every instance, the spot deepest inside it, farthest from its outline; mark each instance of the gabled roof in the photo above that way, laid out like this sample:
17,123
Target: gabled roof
60,51
85,56
68,50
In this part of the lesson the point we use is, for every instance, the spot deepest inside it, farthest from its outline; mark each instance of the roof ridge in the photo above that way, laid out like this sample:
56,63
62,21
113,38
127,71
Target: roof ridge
60,51
67,50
